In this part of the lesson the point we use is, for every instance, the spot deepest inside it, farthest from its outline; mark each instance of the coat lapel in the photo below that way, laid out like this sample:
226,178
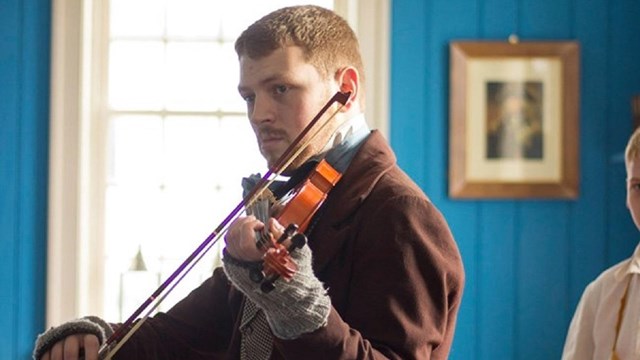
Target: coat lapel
334,225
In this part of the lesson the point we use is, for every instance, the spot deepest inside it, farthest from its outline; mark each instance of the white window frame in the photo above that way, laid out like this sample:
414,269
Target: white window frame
75,203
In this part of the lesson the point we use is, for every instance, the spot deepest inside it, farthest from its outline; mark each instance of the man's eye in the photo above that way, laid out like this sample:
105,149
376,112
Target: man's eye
248,98
280,89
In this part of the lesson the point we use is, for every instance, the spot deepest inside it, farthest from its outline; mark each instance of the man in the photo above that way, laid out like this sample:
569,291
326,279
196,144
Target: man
381,276
605,324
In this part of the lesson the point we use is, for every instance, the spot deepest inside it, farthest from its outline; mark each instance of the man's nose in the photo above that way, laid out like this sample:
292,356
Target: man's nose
262,110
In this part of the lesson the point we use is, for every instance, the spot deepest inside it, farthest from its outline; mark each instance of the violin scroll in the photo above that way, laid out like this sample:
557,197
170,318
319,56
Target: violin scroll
278,261
267,244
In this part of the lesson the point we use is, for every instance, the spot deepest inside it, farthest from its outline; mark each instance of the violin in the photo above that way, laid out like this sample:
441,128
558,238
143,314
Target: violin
296,209
130,326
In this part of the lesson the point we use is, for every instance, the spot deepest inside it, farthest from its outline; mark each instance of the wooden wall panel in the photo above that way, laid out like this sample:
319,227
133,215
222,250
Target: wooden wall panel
588,224
9,166
24,118
527,261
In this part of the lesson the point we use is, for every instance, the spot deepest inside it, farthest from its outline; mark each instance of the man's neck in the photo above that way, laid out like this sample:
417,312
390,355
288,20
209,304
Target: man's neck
340,148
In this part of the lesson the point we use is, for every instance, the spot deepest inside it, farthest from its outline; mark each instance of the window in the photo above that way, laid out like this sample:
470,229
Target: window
143,166
177,142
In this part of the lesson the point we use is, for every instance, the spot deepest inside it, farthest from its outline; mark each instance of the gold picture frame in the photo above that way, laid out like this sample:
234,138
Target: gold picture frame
514,119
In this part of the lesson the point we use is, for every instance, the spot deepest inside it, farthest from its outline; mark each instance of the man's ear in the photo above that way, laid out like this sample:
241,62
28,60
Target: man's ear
348,80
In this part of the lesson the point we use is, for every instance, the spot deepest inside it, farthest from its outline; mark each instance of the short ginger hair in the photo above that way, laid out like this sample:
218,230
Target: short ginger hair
633,148
326,39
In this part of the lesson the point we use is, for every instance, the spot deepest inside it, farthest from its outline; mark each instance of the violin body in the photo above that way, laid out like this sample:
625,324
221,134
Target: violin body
307,198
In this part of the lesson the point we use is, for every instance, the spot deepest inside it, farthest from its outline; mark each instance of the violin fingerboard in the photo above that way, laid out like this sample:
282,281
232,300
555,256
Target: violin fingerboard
261,209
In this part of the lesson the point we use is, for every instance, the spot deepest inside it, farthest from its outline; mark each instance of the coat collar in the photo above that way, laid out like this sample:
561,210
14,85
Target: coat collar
631,266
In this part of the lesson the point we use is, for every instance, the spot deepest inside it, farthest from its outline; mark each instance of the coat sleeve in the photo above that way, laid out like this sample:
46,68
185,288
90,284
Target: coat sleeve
404,290
198,327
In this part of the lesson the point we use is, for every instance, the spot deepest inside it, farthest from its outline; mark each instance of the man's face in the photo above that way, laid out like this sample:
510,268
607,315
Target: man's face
633,190
283,93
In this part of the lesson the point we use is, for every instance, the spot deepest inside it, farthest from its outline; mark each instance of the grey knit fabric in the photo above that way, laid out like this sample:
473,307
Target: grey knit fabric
257,341
293,308
87,325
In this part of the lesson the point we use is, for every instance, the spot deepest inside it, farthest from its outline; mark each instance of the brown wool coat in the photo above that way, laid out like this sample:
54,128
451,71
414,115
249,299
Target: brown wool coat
387,257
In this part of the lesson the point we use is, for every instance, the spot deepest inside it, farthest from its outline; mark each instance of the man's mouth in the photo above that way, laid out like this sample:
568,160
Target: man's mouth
268,136
269,139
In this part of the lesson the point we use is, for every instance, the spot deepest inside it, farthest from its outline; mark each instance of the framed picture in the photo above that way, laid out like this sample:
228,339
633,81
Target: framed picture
514,120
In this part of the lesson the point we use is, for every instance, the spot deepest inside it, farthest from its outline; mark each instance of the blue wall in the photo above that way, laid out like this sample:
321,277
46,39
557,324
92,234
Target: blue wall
24,124
527,261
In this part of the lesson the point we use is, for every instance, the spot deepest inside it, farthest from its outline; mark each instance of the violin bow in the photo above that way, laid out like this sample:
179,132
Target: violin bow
130,326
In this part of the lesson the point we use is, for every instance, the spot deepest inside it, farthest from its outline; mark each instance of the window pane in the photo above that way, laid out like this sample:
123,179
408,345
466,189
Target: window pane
191,73
194,18
133,217
227,79
141,18
136,74
244,158
240,14
190,151
135,149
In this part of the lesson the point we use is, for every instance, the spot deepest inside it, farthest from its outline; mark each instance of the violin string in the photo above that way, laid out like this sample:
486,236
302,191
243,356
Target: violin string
261,211
126,330
264,216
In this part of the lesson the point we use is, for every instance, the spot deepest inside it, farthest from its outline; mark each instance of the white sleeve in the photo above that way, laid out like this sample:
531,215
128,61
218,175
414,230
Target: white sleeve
579,344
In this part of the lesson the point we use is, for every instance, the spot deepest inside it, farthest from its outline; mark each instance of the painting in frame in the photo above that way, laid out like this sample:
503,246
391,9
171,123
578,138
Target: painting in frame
514,119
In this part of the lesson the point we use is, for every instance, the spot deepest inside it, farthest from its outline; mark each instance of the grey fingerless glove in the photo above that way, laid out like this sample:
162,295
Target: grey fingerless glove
86,325
293,308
